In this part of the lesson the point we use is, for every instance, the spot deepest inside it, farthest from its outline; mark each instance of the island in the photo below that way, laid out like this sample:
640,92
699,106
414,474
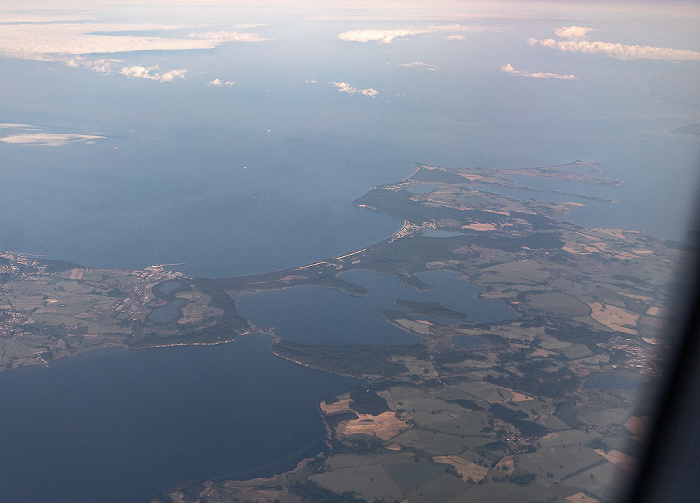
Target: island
551,405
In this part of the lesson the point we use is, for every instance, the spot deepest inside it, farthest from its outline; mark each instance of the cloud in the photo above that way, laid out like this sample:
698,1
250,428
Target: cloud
221,83
26,16
419,64
615,50
572,31
10,125
384,36
61,40
145,73
50,139
44,139
508,68
228,36
344,87
102,65
455,37
249,26
388,36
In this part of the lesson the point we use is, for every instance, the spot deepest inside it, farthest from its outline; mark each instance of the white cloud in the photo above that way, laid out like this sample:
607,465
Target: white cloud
508,68
221,83
419,64
388,36
172,75
102,65
621,51
385,36
10,125
228,36
39,17
58,41
572,31
615,50
455,37
344,87
145,73
50,139
46,41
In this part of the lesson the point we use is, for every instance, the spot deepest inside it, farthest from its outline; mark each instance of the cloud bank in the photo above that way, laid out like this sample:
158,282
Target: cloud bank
575,42
73,43
508,68
388,36
50,139
11,125
44,139
344,87
56,41
228,36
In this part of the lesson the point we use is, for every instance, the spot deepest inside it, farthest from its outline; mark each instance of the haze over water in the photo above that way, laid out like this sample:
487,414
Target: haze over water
248,161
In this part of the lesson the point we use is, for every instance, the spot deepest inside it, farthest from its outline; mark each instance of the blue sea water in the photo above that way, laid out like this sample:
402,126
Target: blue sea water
260,176
122,425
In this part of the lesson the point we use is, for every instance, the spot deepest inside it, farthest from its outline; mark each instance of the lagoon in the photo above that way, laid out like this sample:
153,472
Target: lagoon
320,316
612,381
467,341
437,233
167,313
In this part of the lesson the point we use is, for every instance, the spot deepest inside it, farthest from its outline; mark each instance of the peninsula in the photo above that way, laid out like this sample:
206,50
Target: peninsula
549,406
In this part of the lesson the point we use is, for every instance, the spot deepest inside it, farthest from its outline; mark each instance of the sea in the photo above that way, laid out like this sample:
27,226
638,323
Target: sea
116,425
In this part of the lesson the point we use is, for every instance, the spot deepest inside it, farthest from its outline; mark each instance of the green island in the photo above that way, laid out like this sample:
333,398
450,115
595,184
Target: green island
511,419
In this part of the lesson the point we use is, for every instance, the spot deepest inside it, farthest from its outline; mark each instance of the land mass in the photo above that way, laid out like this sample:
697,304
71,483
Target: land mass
513,418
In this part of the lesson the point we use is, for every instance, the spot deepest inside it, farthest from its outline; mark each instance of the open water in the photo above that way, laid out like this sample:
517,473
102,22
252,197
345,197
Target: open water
122,425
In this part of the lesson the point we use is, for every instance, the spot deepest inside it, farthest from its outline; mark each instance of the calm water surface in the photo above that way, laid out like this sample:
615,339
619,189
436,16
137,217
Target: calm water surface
122,425
322,316
467,341
167,313
437,233
612,381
